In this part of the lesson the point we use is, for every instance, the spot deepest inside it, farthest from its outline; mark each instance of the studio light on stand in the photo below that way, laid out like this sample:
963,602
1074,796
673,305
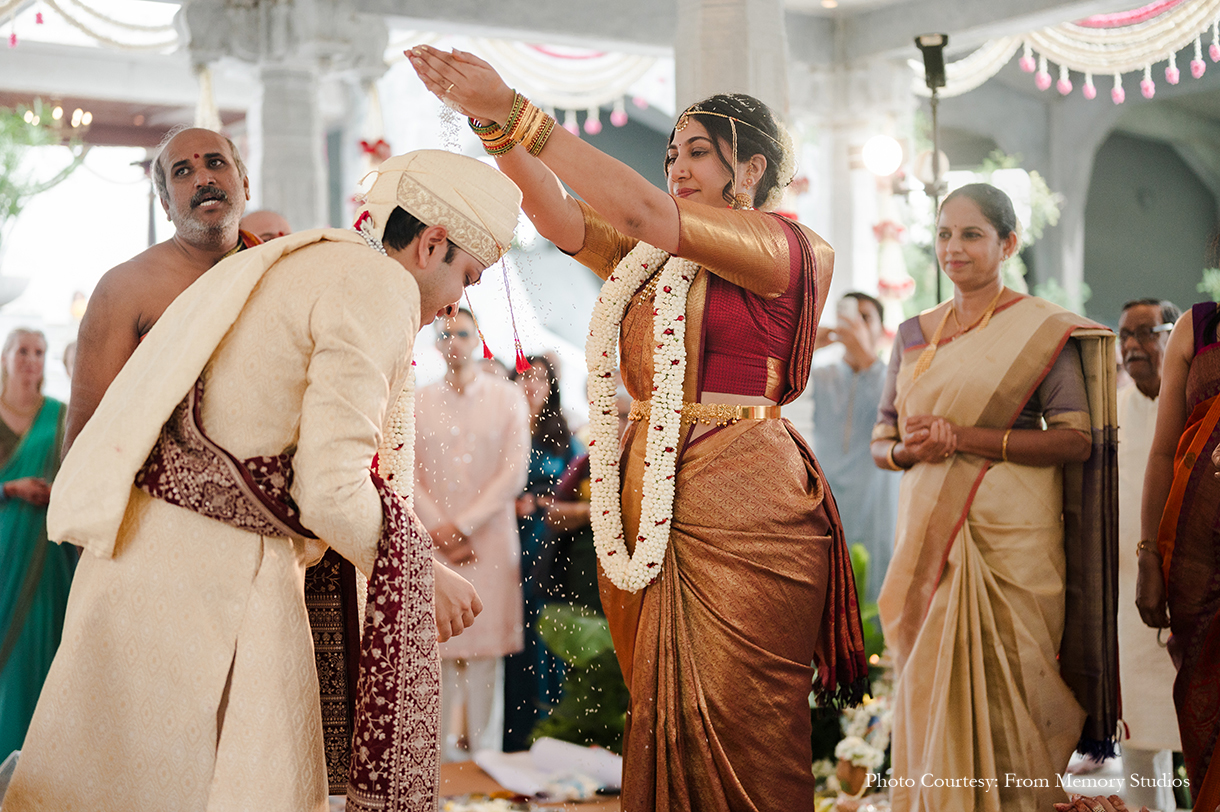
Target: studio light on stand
932,46
882,155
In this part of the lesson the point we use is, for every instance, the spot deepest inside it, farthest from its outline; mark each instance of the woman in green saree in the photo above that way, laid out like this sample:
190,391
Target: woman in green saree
34,574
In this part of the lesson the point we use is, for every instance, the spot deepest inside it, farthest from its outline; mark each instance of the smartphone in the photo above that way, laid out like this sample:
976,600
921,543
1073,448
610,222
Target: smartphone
847,309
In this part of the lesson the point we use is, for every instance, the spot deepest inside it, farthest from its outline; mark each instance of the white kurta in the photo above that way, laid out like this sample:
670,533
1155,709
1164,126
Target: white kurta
186,679
471,460
1146,673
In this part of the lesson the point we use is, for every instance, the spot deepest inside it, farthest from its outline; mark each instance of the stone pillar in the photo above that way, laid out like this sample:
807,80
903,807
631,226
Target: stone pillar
837,109
732,46
1077,129
287,144
294,44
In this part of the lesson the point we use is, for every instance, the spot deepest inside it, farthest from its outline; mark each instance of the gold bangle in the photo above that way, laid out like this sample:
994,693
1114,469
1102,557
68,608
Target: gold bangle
1150,546
542,135
519,103
889,456
524,123
1004,446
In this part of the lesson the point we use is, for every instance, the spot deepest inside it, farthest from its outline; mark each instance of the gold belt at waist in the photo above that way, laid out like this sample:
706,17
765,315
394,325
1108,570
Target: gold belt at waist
712,414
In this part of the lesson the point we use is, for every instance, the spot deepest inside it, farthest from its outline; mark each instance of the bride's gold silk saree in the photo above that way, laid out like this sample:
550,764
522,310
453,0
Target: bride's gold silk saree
756,582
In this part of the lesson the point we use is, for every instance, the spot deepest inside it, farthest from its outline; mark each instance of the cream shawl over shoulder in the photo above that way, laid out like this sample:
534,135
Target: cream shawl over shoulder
91,492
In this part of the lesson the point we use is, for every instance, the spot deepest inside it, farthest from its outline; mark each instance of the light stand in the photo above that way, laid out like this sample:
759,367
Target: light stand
933,48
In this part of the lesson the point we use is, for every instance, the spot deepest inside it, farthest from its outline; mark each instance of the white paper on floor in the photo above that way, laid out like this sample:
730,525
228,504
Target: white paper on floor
554,768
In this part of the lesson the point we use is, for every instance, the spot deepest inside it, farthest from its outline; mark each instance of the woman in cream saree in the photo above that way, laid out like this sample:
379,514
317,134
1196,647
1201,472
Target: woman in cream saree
1001,537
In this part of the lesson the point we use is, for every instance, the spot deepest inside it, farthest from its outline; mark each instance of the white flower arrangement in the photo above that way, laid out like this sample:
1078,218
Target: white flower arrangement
633,572
860,753
868,724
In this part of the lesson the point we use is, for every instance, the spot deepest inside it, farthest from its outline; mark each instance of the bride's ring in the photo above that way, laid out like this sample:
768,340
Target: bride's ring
451,84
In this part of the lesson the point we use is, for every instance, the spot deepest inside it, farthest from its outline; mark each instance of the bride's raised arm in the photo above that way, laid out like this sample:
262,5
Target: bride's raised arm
625,198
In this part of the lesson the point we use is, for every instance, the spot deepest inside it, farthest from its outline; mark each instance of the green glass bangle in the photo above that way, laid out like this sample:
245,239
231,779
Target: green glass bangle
481,131
518,108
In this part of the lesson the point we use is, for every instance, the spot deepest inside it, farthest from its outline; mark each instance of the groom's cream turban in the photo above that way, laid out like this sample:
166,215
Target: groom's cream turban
475,203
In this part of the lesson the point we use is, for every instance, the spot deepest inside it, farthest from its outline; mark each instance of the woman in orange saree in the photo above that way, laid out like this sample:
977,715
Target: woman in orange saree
1179,574
752,581
996,601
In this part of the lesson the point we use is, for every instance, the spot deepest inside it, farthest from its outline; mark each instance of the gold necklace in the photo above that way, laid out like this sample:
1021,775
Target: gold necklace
924,361
17,412
983,320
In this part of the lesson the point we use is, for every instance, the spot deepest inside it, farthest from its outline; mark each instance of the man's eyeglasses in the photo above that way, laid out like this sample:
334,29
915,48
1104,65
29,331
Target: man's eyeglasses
1144,334
445,335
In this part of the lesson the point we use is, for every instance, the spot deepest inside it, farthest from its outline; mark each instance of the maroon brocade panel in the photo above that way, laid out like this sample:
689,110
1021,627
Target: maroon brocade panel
187,469
394,736
330,600
396,749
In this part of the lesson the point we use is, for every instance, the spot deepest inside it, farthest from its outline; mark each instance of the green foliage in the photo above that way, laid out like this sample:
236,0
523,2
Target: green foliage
827,727
1054,292
1044,204
826,734
870,618
1211,283
593,710
921,265
18,140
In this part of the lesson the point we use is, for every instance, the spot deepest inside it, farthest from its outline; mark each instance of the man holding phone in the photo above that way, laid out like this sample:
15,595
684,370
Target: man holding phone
846,382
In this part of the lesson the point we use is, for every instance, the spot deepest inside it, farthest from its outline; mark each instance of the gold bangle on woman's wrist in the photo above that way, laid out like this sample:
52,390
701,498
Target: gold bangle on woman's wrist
495,140
526,125
1004,446
889,457
1150,546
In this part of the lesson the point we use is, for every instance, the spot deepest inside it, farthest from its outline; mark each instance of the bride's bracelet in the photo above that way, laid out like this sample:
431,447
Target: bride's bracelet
495,140
526,125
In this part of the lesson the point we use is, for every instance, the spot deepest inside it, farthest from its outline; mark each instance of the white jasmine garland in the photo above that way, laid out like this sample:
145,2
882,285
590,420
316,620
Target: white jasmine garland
635,571
396,454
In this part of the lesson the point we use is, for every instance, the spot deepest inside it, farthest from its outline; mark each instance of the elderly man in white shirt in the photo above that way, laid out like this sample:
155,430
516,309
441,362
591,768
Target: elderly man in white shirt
1146,672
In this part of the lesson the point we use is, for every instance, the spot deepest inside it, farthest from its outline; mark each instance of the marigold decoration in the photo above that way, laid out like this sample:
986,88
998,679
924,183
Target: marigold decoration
378,150
632,572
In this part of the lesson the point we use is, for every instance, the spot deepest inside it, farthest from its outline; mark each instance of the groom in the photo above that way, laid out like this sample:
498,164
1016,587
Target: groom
249,419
